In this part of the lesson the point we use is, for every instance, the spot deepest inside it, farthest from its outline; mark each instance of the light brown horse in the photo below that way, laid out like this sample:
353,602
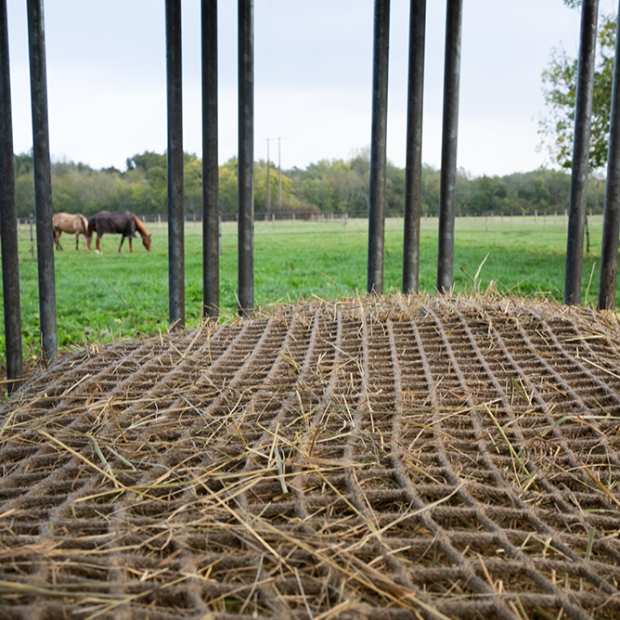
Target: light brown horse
125,224
75,224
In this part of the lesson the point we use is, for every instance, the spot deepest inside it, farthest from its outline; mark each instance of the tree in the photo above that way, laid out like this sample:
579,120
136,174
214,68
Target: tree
491,192
559,89
541,194
319,192
228,186
192,184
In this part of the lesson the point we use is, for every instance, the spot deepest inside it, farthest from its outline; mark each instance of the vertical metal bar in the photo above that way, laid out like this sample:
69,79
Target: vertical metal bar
447,187
246,158
378,140
413,165
8,218
176,223
581,152
611,219
42,180
210,169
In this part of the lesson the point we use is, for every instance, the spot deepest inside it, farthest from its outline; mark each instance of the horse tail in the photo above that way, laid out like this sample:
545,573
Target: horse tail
91,227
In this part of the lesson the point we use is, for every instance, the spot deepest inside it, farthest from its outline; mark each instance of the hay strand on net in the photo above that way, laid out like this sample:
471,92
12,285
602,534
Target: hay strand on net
439,457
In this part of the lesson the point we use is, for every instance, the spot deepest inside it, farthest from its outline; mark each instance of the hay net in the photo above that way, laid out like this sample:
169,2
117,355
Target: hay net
402,458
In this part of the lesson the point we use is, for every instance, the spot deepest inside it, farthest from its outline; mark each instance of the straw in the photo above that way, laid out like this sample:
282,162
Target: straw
405,456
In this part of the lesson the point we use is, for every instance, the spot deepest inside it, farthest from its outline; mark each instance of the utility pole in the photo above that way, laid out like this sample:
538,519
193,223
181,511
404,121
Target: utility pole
279,177
268,181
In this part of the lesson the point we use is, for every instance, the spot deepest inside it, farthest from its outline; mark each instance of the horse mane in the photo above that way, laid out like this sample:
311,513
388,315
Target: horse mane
140,226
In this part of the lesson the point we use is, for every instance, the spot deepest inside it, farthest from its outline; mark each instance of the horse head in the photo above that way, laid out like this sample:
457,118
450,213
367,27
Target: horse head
146,241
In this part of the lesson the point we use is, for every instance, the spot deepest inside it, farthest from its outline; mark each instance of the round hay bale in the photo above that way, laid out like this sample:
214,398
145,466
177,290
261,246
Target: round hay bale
379,458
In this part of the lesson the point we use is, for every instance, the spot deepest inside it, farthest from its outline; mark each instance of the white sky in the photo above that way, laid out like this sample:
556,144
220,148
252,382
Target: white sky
106,70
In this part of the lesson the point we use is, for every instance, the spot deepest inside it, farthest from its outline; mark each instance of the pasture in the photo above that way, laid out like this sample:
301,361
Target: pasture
110,296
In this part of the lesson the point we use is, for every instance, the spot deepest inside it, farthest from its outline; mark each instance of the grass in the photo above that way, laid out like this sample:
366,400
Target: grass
104,297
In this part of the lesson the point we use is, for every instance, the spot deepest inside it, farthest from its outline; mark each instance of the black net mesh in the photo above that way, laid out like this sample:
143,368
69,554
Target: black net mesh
404,458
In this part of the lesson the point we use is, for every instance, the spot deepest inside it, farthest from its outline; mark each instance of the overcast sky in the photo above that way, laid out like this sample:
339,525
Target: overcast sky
313,72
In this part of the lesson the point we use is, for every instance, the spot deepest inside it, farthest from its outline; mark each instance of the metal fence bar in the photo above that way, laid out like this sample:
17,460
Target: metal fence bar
8,218
210,169
42,180
611,219
447,187
581,151
176,255
378,141
413,165
246,158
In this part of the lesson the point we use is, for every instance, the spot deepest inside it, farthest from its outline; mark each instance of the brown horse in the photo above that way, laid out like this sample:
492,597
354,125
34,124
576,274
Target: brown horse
74,224
125,224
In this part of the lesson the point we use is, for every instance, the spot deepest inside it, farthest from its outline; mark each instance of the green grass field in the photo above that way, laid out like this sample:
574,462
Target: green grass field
104,297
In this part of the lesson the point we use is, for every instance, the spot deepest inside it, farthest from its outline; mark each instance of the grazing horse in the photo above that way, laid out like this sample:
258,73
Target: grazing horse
66,222
124,224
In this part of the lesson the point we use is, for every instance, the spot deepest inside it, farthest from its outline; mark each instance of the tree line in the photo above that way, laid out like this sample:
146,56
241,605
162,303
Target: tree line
341,186
328,186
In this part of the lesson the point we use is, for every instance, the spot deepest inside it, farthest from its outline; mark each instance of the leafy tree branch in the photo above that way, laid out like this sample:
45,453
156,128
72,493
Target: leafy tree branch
559,79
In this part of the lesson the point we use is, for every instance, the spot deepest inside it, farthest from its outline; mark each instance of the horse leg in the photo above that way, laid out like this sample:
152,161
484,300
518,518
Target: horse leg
130,245
121,245
98,250
77,241
57,240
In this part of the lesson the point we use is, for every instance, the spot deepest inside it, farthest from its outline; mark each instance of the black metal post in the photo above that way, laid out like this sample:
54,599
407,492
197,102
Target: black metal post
378,140
8,218
246,158
210,169
611,220
413,165
447,188
176,220
42,180
581,152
